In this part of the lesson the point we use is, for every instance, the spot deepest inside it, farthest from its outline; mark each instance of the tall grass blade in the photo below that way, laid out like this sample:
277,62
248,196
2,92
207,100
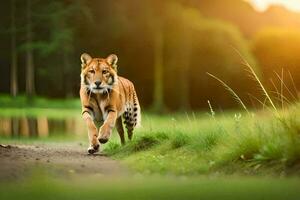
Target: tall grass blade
281,97
286,87
294,85
277,92
263,103
212,112
236,97
281,88
258,81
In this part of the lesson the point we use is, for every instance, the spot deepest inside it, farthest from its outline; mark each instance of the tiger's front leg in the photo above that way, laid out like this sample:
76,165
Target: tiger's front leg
107,127
92,133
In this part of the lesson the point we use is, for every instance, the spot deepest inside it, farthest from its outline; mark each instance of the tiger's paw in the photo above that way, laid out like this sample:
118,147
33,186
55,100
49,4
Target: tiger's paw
104,135
93,149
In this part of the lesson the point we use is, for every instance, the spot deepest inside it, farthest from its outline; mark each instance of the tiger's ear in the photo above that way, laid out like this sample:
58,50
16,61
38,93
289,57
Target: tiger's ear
85,59
112,59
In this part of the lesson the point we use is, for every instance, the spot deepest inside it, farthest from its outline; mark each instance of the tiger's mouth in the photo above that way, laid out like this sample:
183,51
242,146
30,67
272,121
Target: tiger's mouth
101,89
98,88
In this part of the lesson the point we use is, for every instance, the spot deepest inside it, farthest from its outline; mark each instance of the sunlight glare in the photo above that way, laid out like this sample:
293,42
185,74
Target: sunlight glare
262,5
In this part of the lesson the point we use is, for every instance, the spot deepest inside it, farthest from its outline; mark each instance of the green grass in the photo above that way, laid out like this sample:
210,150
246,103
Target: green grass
37,102
39,106
53,113
192,144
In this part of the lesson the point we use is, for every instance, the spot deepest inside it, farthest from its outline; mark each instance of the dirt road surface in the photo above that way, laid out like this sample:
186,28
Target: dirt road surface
62,159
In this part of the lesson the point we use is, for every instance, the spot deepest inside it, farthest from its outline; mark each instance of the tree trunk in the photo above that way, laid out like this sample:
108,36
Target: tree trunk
184,62
158,95
66,52
30,86
14,71
67,79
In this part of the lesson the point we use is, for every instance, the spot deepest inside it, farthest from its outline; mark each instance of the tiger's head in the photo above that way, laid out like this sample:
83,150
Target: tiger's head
98,75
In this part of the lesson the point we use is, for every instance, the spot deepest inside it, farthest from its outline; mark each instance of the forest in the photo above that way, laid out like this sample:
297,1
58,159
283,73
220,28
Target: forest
165,47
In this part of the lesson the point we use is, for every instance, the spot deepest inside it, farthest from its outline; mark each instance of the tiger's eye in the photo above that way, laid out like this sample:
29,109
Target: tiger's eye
92,71
105,71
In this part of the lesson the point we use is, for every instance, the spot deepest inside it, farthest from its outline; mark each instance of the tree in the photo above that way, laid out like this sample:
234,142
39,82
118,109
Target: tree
58,15
14,57
214,50
62,38
196,45
277,49
158,93
156,19
30,83
180,50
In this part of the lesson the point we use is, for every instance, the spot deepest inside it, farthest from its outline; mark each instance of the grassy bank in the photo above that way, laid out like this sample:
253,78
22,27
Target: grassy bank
188,144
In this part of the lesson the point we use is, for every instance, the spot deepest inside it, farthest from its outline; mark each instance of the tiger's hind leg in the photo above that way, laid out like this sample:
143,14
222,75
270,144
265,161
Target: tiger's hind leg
128,120
129,128
119,126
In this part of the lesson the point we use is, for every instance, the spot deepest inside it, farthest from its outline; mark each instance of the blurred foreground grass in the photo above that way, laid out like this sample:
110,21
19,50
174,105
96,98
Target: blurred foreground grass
42,186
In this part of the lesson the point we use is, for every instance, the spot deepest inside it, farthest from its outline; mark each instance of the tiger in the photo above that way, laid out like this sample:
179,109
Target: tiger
106,98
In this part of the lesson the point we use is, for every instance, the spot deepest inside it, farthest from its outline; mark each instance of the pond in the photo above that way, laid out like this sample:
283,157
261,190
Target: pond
40,126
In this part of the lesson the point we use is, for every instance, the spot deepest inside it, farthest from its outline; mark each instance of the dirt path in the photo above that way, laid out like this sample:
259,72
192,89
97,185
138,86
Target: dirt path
59,159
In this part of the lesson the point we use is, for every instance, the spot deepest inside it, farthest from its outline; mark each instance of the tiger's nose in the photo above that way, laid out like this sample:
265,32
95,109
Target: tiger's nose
97,83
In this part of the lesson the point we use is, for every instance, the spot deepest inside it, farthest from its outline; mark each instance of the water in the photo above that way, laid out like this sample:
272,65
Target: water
40,126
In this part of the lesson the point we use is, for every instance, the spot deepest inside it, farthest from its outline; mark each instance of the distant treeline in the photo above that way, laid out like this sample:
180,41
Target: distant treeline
165,47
